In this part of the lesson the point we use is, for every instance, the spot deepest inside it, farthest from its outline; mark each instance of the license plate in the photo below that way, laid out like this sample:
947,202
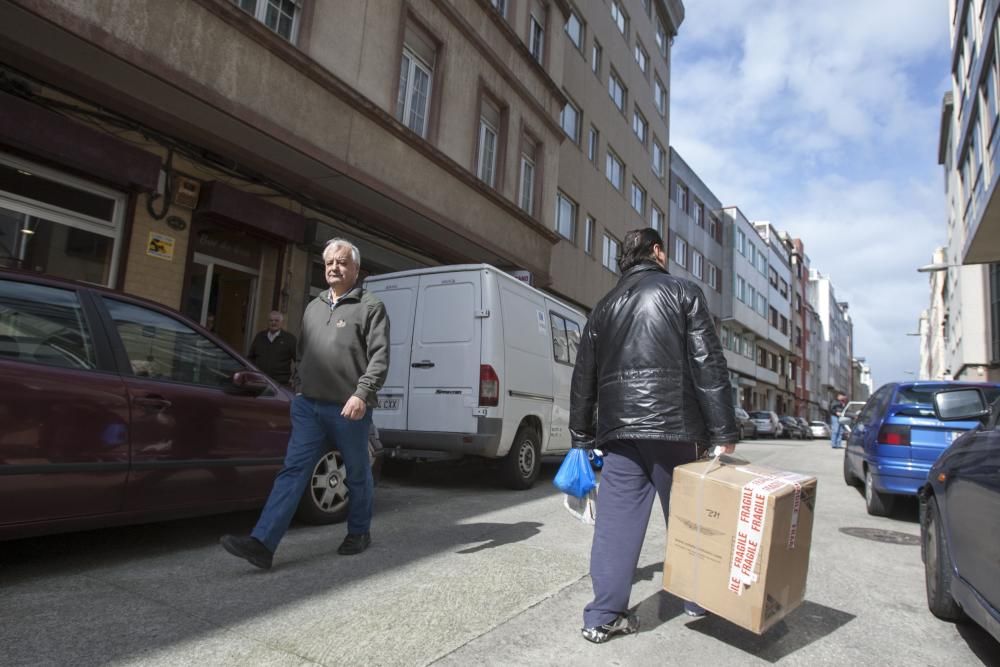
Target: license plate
389,403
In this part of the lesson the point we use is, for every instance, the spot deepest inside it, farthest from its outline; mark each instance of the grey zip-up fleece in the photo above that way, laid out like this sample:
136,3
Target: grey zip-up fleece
343,348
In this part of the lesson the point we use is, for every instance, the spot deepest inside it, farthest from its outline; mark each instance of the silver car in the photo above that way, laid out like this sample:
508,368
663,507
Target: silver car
819,429
767,423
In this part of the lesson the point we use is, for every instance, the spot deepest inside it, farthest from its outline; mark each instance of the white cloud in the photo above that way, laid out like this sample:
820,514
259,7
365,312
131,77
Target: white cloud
823,117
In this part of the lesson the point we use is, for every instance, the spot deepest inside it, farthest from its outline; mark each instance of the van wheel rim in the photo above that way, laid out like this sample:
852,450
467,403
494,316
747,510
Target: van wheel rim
526,458
329,483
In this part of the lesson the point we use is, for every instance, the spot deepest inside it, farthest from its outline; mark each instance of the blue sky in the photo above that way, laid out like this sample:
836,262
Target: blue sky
823,118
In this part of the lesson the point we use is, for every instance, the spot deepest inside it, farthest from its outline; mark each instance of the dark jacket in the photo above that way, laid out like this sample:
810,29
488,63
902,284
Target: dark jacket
273,357
837,407
343,348
651,363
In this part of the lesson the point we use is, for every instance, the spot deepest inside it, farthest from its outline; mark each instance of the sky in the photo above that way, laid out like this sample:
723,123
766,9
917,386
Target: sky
823,118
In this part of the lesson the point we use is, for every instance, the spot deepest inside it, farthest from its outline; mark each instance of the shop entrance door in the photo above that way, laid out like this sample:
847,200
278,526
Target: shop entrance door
222,298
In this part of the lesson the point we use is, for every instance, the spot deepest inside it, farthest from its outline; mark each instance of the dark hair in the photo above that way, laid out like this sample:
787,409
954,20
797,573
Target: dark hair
638,247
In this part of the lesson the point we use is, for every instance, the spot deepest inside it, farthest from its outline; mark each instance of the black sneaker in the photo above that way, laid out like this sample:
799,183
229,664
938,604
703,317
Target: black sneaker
624,624
354,544
248,548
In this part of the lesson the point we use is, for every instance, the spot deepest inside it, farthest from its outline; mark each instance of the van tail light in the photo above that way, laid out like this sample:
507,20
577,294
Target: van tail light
894,434
489,386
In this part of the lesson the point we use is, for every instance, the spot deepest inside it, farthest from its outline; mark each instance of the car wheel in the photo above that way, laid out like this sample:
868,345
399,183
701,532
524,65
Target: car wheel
938,568
523,461
877,503
849,478
325,499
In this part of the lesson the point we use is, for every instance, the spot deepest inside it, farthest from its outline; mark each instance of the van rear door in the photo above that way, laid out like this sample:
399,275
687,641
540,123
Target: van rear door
400,298
444,364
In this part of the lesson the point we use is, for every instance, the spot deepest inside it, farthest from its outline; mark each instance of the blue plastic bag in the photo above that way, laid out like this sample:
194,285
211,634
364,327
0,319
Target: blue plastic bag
576,476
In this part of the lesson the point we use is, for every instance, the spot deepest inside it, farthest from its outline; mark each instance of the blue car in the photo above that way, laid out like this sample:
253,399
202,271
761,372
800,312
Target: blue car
896,438
960,516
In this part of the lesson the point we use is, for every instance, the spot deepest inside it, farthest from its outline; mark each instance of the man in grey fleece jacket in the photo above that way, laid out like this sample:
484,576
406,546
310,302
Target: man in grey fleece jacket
344,359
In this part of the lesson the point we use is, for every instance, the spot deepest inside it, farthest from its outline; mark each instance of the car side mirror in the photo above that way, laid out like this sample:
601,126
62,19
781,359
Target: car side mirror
251,383
964,404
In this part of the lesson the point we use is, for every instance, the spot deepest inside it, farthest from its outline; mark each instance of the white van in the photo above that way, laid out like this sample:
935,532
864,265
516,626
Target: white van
480,364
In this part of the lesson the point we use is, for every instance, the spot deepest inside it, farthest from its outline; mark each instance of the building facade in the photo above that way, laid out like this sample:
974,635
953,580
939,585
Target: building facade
836,349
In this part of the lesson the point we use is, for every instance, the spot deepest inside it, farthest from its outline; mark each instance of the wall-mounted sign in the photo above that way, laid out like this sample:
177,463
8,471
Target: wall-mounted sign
161,246
523,276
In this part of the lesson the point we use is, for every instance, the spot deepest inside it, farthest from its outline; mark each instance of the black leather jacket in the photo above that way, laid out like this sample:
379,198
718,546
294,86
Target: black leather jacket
651,364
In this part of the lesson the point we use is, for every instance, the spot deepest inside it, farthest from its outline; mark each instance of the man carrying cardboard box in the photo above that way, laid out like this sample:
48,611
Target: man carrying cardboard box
650,388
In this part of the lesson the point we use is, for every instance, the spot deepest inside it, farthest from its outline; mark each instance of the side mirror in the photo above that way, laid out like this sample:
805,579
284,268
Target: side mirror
252,383
964,404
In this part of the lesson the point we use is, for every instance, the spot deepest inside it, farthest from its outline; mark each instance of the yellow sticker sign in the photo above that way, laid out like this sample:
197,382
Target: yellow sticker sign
161,246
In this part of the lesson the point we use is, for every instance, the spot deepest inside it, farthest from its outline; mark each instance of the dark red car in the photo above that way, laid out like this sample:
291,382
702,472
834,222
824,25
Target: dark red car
114,409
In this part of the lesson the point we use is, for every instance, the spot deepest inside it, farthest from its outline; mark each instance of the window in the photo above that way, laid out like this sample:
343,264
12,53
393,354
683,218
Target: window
681,196
713,276
281,16
680,251
762,262
489,123
784,324
617,91
762,304
614,170
160,347
565,339
609,254
659,159
595,57
657,219
774,317
990,97
575,30
659,97
713,227
536,39
751,296
641,57
697,265
661,38
640,126
698,212
784,288
570,121
593,143
588,235
638,199
752,253
527,183
500,6
566,216
741,242
415,75
772,277
44,325
619,17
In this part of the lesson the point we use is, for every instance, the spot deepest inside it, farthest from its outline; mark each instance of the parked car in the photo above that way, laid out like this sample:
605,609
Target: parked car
767,423
118,410
804,428
959,510
820,429
791,427
747,427
480,365
897,437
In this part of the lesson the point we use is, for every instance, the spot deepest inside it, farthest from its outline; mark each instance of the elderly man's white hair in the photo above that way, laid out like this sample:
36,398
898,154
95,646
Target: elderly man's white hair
333,244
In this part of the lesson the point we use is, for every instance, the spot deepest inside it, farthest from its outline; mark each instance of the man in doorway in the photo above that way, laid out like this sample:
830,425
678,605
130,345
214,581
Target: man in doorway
273,350
651,389
836,428
343,357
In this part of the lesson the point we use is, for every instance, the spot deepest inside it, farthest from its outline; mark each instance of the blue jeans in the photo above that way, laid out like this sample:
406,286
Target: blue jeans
835,431
316,425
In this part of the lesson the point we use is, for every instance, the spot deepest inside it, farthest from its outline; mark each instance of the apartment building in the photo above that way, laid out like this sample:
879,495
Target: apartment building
933,325
200,152
614,165
777,349
837,346
695,240
802,323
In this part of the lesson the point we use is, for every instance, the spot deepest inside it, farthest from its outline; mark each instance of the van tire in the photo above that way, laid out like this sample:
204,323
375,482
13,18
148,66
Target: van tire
521,465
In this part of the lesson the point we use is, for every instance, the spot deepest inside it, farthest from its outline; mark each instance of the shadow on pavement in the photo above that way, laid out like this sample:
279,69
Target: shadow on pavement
981,642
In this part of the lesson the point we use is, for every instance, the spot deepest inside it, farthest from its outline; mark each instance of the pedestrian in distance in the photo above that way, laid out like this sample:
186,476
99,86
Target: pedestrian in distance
836,428
344,358
651,389
273,350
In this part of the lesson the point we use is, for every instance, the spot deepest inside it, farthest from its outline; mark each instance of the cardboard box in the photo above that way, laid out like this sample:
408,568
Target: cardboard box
738,540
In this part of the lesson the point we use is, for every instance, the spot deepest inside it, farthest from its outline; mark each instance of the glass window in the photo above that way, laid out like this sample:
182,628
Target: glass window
681,193
659,159
527,184
536,39
680,251
588,235
659,97
641,57
698,212
657,219
570,121
741,285
414,92
163,348
489,123
596,52
741,242
638,199
575,30
281,16
640,126
565,339
616,89
614,170
500,6
609,256
713,276
697,265
44,325
593,143
661,38
619,17
566,216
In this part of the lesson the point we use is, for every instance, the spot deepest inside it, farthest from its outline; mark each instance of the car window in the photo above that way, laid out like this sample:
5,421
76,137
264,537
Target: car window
161,347
44,325
760,415
565,338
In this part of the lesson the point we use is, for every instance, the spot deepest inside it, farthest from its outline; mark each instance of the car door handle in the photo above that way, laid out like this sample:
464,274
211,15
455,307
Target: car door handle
152,403
422,364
